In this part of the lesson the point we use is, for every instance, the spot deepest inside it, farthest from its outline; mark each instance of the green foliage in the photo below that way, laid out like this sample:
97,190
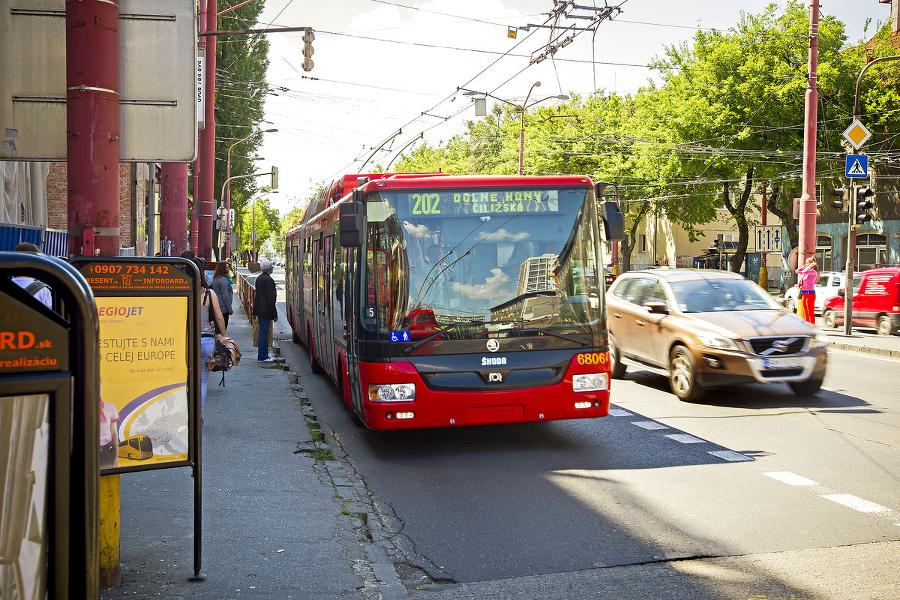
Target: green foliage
261,217
241,65
728,116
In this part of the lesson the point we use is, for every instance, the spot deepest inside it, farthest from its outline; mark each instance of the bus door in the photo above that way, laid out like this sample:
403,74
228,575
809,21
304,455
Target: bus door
318,296
326,348
352,301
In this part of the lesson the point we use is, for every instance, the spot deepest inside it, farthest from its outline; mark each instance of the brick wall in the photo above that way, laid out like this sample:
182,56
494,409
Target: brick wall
129,192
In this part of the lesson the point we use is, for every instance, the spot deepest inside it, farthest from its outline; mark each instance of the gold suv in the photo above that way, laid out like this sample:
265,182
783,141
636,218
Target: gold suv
706,329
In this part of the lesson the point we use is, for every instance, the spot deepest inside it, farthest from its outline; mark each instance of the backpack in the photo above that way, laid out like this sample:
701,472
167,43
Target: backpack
226,355
35,286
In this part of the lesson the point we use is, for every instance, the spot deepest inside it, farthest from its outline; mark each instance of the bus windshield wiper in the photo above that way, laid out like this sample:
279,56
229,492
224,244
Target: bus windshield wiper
562,336
423,341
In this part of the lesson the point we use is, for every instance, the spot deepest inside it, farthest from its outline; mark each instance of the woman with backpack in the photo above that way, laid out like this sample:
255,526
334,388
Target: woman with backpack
209,313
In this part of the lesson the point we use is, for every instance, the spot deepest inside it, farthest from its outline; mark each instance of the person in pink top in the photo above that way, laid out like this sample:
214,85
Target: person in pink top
808,277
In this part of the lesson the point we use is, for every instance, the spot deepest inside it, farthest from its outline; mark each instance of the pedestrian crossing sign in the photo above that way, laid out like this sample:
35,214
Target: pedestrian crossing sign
857,165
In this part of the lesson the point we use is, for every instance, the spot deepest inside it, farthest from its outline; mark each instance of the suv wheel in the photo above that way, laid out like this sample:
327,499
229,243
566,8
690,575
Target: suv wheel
791,305
616,368
683,375
828,318
885,325
808,387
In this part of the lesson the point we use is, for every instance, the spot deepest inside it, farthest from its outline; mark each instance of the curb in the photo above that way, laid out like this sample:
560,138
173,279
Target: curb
884,352
372,562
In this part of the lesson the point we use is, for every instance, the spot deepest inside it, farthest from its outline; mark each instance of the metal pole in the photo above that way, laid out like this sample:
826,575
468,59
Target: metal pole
204,204
173,183
92,124
763,267
851,261
522,128
808,199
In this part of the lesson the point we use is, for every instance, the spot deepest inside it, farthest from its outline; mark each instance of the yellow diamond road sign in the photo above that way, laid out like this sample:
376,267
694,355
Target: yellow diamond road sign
857,134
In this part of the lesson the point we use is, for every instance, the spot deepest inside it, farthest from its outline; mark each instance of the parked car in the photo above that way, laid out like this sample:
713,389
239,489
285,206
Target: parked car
705,329
829,285
876,301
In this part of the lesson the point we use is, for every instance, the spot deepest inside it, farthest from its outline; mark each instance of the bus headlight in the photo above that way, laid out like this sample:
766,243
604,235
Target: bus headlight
590,382
392,392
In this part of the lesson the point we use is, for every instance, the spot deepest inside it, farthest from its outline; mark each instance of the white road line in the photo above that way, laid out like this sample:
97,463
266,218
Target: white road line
730,455
619,412
856,503
684,438
649,424
790,478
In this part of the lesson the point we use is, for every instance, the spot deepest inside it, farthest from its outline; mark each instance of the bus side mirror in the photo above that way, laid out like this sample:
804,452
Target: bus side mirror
351,228
613,221
841,293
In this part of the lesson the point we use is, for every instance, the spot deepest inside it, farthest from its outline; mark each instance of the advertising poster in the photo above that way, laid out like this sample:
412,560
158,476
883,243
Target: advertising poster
143,380
24,458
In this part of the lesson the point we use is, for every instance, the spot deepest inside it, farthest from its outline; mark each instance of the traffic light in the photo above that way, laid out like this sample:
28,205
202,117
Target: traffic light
274,178
864,205
840,202
308,51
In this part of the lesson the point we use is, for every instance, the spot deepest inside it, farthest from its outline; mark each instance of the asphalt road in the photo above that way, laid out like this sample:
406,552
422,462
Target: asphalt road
753,471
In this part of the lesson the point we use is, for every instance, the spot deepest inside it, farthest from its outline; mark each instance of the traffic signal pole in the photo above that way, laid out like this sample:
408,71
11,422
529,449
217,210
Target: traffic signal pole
807,199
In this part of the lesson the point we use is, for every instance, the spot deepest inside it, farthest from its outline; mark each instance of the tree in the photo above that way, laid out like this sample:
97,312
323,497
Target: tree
259,217
738,100
241,89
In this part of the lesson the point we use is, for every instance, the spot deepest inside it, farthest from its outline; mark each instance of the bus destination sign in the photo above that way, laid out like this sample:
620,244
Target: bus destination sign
482,202
138,276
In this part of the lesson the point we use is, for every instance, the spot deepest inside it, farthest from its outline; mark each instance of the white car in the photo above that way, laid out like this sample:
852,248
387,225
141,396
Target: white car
828,286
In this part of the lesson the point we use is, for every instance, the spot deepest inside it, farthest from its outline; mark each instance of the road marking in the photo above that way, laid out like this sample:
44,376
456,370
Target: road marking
649,425
856,503
790,478
684,438
730,455
619,412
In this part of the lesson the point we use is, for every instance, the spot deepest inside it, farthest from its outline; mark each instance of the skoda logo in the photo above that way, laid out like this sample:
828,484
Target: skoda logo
493,345
495,377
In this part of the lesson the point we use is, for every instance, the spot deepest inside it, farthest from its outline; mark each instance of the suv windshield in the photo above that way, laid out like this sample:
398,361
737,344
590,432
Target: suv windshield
484,260
709,295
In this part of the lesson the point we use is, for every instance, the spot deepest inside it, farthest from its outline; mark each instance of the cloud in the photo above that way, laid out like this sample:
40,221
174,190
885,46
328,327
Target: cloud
502,235
492,288
419,231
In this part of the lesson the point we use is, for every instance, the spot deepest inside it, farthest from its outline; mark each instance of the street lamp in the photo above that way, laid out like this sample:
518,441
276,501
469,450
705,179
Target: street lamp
228,189
522,108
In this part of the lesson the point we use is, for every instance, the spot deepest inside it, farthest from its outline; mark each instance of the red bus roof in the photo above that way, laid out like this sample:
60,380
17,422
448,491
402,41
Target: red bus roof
442,180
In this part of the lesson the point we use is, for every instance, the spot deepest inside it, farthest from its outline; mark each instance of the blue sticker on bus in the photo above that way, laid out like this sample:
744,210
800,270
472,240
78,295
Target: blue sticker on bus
401,336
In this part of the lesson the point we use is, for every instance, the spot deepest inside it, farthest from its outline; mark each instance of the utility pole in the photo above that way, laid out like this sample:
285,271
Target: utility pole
763,267
203,204
808,198
92,126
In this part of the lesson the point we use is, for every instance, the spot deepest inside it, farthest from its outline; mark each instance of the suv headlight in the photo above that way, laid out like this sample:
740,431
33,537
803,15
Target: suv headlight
820,340
716,340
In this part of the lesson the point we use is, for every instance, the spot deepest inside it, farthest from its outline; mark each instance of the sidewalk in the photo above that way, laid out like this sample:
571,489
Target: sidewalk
863,340
281,517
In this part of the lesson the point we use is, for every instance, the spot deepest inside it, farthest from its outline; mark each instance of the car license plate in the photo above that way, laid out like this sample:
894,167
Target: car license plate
783,363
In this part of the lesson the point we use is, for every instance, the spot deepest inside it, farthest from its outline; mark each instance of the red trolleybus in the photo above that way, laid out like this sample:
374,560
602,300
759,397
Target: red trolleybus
435,300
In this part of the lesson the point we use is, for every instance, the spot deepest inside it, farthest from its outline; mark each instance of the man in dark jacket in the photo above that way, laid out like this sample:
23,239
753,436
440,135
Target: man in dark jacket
264,309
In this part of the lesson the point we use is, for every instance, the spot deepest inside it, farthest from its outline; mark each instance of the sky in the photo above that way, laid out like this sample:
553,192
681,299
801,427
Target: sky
388,66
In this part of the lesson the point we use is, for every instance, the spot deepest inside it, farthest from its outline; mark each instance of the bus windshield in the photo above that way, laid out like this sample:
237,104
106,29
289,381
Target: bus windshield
521,259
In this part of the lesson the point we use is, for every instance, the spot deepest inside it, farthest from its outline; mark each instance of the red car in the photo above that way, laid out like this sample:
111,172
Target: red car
876,301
